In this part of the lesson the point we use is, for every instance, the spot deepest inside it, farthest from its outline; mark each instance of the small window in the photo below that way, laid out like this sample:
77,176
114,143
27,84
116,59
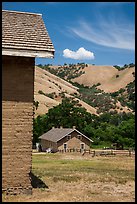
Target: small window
79,137
65,147
68,137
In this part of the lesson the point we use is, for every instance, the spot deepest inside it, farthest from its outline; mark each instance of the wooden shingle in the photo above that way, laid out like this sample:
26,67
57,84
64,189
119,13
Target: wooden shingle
25,33
57,134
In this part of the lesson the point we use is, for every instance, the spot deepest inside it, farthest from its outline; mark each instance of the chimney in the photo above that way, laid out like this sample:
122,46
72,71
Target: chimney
61,127
74,127
53,127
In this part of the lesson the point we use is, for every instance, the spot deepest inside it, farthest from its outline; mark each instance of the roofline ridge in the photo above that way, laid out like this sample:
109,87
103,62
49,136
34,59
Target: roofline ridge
23,12
70,131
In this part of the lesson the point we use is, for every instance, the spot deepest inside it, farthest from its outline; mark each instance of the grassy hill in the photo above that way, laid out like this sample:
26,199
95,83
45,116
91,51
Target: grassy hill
49,90
97,88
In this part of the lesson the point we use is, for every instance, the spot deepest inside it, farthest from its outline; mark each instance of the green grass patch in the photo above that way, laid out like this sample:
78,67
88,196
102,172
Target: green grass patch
66,178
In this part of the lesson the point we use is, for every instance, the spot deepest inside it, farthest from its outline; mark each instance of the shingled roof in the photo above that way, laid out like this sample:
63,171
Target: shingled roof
25,32
55,134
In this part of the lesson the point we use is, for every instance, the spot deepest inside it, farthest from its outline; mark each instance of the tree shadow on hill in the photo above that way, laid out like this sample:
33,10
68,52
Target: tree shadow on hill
37,182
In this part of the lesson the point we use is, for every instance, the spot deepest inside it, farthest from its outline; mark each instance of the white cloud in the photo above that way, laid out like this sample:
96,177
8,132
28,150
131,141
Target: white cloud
110,33
80,54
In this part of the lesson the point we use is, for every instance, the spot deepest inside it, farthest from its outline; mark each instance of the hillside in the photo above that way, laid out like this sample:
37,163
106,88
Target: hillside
96,74
50,89
120,80
97,88
110,78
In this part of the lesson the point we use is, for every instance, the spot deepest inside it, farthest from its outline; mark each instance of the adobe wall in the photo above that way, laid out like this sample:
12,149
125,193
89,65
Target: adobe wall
74,142
17,123
48,144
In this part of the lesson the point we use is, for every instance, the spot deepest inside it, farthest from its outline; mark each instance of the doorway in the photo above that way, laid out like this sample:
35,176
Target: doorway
65,147
82,146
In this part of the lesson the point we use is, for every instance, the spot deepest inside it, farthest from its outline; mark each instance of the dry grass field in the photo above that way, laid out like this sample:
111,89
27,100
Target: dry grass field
105,75
75,178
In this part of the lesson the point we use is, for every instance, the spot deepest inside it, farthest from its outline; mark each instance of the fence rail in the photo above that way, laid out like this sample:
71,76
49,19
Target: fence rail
110,152
101,152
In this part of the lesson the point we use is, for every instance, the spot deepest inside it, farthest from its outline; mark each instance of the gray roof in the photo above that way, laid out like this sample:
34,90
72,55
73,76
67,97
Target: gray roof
22,30
55,134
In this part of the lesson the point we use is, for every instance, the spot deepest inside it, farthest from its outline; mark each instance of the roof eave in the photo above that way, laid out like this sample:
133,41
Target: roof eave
84,136
22,12
42,138
27,53
78,132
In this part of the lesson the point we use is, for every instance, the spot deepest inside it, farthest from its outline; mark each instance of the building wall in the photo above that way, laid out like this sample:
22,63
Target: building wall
74,142
17,123
48,144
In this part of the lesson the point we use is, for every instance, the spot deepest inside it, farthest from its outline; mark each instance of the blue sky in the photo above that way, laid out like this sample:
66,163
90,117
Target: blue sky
101,33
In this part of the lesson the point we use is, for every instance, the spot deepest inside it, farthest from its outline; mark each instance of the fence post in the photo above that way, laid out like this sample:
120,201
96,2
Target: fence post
129,152
84,151
93,153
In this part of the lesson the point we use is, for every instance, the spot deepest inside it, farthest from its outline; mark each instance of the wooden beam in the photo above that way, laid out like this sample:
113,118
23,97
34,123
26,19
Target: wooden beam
27,53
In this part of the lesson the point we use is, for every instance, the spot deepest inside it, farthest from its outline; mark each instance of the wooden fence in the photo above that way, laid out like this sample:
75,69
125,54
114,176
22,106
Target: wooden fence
109,152
101,152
